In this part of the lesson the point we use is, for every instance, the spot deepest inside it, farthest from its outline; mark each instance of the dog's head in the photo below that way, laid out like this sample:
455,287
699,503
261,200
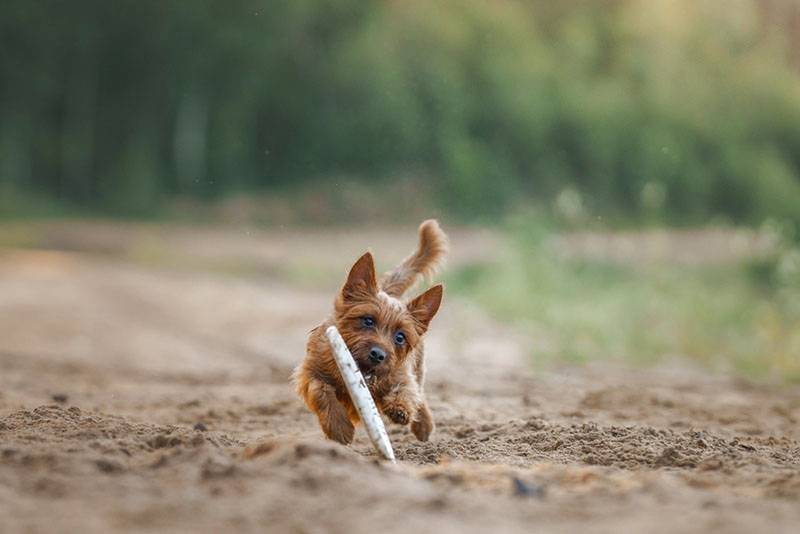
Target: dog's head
379,329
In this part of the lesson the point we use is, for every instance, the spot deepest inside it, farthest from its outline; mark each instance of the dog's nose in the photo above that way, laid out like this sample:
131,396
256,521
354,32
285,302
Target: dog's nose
377,355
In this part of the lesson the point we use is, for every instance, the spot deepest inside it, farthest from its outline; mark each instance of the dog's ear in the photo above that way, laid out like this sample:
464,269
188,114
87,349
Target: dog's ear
425,306
361,280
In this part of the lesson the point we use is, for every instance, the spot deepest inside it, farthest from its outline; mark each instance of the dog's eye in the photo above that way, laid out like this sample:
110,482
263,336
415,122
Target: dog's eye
368,322
399,338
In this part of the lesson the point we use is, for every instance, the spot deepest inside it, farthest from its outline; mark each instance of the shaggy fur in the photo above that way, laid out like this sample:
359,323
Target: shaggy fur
369,314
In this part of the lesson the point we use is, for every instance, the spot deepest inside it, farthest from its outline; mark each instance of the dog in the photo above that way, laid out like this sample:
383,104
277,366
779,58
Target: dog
384,332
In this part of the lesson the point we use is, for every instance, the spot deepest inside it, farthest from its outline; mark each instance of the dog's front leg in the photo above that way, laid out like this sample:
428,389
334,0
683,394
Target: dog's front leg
405,403
401,403
321,398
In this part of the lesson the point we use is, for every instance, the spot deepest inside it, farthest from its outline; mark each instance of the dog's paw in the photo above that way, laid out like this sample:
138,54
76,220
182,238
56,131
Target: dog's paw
343,434
398,414
422,429
423,426
340,429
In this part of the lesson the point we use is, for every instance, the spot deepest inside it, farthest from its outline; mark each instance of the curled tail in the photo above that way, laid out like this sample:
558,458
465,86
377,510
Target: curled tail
425,261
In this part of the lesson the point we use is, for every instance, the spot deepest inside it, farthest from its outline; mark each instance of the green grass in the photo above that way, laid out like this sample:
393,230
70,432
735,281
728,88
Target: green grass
742,318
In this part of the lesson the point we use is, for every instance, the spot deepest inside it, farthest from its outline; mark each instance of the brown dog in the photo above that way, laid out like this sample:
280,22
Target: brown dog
384,334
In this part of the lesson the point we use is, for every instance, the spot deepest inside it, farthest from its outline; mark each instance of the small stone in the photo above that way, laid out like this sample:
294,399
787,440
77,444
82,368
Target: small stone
200,427
527,489
60,398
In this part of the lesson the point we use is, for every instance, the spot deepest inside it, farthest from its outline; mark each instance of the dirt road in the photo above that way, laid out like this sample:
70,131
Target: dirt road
150,396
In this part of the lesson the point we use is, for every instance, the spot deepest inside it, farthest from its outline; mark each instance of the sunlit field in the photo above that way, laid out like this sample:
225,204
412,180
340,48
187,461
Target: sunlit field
728,300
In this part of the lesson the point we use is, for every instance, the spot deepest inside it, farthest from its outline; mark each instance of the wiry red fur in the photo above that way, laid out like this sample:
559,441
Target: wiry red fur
397,383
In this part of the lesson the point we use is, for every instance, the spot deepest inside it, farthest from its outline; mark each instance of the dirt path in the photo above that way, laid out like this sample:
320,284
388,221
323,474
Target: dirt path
129,395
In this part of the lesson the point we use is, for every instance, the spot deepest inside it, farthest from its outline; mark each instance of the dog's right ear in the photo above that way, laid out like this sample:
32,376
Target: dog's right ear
361,281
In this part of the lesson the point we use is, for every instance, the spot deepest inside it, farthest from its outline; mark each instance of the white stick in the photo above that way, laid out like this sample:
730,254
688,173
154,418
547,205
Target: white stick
359,392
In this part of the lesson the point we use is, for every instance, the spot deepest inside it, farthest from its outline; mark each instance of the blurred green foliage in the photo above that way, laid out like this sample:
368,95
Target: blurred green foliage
657,110
741,317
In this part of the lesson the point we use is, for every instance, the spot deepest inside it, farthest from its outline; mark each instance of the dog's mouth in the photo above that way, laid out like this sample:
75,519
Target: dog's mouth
367,371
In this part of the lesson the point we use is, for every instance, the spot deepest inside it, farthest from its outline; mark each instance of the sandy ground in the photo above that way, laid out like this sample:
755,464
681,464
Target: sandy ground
150,396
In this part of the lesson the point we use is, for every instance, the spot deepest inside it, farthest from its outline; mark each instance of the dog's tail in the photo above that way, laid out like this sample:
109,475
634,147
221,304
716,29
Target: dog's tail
424,262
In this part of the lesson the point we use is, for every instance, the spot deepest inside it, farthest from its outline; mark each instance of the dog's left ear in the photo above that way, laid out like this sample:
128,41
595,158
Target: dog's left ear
425,306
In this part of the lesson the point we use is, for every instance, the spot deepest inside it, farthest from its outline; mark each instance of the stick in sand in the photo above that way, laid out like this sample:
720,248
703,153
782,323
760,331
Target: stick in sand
359,392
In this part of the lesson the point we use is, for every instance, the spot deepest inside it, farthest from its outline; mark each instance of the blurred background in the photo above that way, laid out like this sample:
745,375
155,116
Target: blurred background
622,177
